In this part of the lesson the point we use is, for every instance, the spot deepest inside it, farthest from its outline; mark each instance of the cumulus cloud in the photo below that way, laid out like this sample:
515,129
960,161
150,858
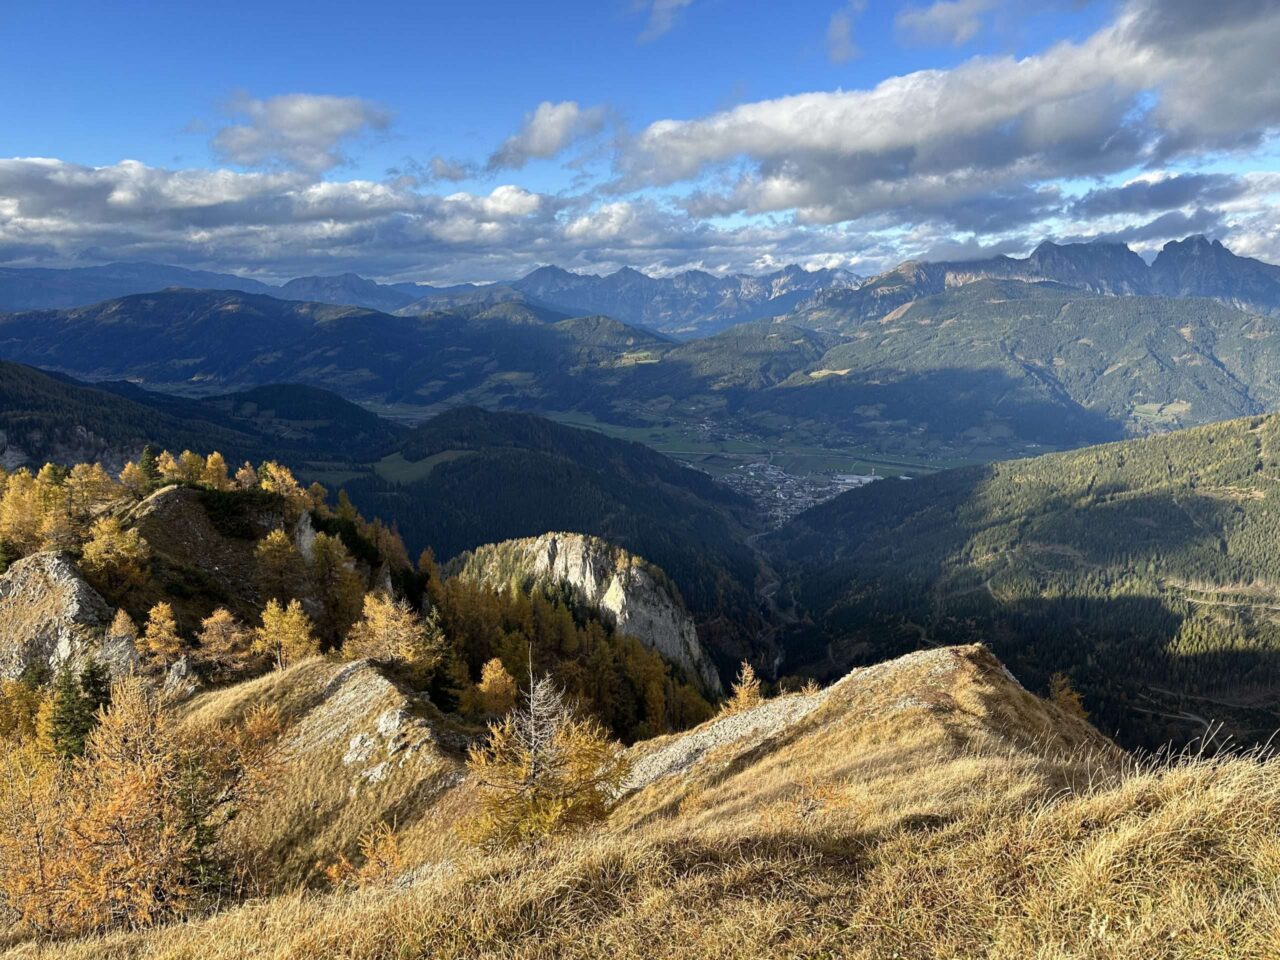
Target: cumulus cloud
298,130
662,16
984,155
1166,79
841,47
953,22
546,132
280,224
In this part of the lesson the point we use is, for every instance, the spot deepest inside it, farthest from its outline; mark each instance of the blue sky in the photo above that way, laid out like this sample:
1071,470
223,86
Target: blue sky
475,141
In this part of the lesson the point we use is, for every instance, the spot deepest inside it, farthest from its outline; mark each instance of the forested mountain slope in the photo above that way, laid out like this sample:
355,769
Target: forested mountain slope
1043,362
1149,570
51,417
469,477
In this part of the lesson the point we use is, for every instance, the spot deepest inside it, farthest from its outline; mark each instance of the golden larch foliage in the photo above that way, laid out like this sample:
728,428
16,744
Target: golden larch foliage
746,692
286,634
160,640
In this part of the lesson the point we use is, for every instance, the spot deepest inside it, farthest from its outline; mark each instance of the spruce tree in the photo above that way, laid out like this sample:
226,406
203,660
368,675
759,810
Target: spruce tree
70,717
95,685
150,471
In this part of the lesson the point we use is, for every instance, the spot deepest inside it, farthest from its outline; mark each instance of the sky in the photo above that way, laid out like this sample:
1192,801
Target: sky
449,142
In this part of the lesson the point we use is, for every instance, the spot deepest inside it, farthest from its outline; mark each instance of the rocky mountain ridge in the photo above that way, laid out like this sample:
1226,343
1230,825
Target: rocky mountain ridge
633,594
1195,267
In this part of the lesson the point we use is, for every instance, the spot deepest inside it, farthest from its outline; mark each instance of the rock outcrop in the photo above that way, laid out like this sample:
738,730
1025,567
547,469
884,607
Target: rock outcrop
632,594
49,616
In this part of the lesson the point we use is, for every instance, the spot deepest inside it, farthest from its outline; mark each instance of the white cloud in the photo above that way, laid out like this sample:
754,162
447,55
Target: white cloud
953,22
297,130
545,133
662,16
1146,88
841,47
967,158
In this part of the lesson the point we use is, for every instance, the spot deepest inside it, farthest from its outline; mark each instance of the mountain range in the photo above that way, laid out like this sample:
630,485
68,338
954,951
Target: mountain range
697,303
686,304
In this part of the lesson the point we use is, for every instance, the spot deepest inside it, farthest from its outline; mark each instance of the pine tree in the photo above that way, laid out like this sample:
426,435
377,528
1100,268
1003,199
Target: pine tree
95,685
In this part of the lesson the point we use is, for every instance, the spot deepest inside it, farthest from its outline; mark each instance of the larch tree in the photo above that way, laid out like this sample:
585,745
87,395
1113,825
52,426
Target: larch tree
746,692
247,477
279,565
496,690
390,629
214,474
286,634
160,641
115,559
543,771
338,586
134,482
225,640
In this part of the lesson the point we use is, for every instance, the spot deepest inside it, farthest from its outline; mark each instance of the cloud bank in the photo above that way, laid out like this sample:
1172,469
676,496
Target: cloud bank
1116,135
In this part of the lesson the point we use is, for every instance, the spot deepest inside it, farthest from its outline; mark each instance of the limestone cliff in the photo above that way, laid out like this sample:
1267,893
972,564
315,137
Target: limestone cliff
50,616
631,593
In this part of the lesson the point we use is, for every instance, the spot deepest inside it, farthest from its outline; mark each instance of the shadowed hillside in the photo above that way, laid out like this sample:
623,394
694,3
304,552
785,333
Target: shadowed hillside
1147,569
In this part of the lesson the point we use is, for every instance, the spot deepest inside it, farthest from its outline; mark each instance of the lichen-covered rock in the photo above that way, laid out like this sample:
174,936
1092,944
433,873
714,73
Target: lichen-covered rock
633,594
49,616
180,680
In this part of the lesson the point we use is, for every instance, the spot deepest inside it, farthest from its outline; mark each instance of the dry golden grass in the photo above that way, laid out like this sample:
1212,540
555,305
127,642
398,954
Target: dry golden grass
928,809
357,753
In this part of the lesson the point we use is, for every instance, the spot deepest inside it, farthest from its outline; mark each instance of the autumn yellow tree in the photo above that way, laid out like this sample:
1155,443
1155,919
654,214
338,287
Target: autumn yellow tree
279,479
214,474
21,512
338,586
286,634
279,566
496,691
134,482
1065,695
542,771
19,705
247,477
391,630
167,467
160,641
381,861
126,836
115,559
746,692
88,488
190,467
224,640
122,627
